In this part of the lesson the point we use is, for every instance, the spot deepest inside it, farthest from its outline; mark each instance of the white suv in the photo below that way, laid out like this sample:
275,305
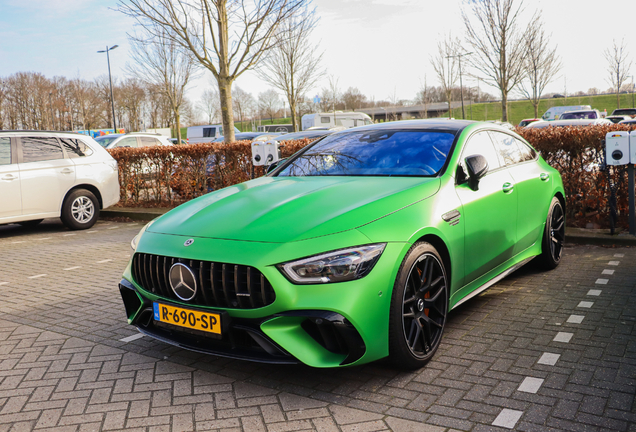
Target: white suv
133,139
55,174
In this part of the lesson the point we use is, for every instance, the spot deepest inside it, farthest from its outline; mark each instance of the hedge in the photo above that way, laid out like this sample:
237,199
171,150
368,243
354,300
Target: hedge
166,176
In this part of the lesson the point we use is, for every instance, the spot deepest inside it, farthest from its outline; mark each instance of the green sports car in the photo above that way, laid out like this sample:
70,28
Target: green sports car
354,249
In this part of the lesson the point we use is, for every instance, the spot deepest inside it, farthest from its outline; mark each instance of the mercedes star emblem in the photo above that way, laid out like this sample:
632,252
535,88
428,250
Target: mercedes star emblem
188,242
183,282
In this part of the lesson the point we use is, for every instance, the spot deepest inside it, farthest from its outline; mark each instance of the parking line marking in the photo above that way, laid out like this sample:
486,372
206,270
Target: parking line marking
132,338
91,231
549,359
3,283
507,418
66,235
594,293
576,319
613,263
73,268
602,281
37,276
104,261
608,272
585,304
619,255
44,238
16,242
115,227
563,337
530,385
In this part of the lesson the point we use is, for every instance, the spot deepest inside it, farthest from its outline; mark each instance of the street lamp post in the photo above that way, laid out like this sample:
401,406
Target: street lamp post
461,86
110,79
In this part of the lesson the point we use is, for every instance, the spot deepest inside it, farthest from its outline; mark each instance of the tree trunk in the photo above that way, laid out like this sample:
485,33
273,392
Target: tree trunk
227,114
536,110
294,116
504,106
177,118
448,99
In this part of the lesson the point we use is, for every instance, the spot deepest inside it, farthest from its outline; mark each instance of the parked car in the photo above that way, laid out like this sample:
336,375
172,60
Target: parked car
574,122
309,134
55,174
617,118
133,140
526,122
625,111
555,112
630,121
243,136
205,134
581,114
176,141
354,249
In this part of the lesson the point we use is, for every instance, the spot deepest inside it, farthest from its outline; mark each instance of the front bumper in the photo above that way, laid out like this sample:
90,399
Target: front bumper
326,325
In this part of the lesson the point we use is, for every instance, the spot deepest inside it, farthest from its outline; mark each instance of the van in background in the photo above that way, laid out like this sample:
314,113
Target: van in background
554,113
205,134
335,119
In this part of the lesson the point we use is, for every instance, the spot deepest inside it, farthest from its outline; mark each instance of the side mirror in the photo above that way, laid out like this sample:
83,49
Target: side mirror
273,165
477,166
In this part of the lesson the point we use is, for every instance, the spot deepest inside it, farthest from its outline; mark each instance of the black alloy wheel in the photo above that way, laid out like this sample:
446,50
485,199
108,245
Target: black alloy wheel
554,235
421,300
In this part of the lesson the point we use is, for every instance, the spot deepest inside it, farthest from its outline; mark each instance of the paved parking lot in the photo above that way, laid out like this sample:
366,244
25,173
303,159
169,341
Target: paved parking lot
537,352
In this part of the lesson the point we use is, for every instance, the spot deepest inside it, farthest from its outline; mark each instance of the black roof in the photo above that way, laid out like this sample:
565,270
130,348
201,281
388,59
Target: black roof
436,123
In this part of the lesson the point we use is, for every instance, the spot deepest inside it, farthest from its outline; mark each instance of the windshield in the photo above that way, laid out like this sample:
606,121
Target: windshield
106,139
374,153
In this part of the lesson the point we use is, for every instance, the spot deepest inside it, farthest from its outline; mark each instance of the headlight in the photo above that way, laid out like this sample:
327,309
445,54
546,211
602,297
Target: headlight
135,240
337,266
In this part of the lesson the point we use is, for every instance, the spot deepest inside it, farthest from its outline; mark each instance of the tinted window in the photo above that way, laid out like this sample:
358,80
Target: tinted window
527,152
106,139
128,142
507,148
75,147
374,153
35,149
481,144
5,151
209,132
148,141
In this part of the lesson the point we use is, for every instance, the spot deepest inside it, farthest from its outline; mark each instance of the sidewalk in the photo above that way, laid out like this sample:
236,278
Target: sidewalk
599,237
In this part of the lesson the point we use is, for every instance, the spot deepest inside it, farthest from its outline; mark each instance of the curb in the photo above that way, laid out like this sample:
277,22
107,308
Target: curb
572,235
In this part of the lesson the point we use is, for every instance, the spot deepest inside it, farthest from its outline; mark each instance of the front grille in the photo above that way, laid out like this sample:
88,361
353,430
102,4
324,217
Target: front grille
219,284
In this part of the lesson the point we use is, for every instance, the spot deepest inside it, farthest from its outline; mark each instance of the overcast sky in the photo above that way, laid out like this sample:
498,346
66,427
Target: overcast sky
382,47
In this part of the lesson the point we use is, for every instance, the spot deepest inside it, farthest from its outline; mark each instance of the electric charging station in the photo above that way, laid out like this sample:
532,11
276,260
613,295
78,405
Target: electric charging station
617,148
265,153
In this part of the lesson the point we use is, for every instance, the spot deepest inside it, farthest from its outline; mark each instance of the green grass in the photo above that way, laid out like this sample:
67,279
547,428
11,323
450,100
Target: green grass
519,110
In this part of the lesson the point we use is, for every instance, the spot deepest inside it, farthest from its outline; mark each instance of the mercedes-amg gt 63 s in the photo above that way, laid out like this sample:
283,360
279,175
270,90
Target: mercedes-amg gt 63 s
354,249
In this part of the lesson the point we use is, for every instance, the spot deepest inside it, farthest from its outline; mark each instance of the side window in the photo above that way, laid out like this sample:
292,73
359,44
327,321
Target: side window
527,152
481,144
5,151
208,132
148,141
507,147
36,149
325,119
128,142
75,147
220,130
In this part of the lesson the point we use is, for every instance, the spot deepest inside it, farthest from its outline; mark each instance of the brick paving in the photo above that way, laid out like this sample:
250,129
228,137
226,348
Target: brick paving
537,352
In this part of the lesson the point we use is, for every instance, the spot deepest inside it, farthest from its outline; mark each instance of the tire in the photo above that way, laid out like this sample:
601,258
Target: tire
419,306
553,236
80,210
30,223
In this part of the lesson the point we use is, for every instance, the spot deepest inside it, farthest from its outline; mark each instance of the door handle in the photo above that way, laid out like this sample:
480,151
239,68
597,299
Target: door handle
544,176
9,177
67,171
508,187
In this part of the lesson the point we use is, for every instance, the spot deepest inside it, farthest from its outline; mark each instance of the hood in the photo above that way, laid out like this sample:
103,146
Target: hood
284,209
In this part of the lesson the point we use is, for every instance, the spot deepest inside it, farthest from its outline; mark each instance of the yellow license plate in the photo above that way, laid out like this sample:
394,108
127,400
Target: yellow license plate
188,318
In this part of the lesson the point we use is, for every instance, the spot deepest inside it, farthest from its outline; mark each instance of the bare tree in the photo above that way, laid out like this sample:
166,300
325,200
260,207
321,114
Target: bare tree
423,97
160,61
541,63
493,33
210,105
226,37
244,102
446,66
269,103
618,67
353,98
293,66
